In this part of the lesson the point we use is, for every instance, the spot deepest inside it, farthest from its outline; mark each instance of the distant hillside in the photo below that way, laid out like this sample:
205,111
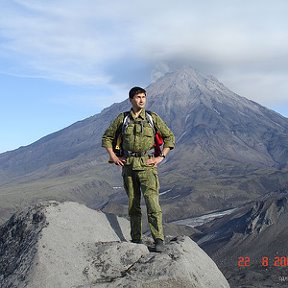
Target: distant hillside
229,150
249,245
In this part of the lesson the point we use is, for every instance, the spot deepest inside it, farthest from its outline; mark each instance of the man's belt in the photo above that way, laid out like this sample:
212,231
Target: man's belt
135,154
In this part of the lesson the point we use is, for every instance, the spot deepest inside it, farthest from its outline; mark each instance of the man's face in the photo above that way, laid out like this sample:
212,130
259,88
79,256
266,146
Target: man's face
138,101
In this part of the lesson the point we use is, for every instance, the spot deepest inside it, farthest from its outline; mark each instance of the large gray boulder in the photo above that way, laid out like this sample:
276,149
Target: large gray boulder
69,245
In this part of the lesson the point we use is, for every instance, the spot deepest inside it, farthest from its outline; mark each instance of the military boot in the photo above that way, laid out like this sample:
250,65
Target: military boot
159,245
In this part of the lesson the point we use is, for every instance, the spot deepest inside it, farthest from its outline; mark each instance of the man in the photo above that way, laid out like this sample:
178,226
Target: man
139,165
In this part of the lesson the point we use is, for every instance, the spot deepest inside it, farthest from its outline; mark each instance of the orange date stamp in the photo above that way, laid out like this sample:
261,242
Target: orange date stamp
265,261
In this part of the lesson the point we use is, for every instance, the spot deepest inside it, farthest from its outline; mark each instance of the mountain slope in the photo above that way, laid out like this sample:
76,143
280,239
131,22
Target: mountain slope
200,110
203,112
259,231
229,150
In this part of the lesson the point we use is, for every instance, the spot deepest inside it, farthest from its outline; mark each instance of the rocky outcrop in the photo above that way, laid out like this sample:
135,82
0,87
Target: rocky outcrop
18,242
70,245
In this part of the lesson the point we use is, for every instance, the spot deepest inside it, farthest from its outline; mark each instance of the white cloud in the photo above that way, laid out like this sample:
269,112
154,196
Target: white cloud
63,41
119,42
269,90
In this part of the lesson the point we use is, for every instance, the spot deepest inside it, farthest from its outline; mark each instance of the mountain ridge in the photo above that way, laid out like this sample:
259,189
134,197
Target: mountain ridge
180,81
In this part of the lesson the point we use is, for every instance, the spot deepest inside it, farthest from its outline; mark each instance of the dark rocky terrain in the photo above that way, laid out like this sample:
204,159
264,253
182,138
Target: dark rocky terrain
249,245
18,239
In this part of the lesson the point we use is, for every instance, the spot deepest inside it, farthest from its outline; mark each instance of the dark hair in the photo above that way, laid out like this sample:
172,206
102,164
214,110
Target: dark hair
136,90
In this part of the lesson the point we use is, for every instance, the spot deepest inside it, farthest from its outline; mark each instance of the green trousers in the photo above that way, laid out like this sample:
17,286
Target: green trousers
145,181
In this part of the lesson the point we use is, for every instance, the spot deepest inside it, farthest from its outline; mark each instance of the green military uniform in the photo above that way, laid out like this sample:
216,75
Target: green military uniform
138,140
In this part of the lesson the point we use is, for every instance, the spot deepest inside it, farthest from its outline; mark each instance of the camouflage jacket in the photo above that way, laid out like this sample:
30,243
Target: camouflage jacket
139,135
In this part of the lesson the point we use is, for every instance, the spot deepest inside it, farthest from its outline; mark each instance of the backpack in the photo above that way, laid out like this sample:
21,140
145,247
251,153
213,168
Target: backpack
117,142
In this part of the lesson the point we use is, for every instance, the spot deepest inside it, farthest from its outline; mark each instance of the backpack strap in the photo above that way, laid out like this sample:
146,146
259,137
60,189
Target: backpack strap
150,120
117,141
126,121
158,138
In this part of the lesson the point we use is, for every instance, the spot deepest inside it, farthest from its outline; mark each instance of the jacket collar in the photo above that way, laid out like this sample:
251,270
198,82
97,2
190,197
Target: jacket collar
141,115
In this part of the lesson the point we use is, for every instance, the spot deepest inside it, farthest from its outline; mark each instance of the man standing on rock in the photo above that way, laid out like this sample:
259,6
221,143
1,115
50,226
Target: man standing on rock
139,164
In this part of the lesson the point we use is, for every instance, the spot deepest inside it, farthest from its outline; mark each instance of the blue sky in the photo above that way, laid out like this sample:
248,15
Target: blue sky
62,61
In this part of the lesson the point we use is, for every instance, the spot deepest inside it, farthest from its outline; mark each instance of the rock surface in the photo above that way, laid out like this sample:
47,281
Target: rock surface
69,245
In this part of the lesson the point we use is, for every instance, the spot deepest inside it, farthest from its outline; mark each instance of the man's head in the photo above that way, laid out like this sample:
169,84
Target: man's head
136,90
137,96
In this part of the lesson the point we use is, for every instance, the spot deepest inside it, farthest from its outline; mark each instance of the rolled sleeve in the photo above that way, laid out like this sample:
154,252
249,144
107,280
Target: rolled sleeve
109,134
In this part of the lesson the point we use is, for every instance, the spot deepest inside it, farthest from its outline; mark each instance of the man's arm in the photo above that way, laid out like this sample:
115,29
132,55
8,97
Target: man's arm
156,160
113,158
107,140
